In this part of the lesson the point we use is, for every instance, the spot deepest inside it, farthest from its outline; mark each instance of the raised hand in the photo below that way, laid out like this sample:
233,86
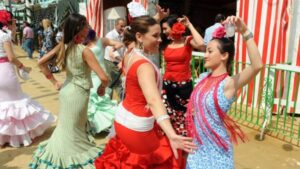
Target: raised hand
161,12
184,20
240,25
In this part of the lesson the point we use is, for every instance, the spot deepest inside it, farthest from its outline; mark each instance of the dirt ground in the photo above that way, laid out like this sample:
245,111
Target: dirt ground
271,153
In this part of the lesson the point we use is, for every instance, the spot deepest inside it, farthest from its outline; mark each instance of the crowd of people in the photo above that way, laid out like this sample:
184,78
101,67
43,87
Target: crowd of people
157,122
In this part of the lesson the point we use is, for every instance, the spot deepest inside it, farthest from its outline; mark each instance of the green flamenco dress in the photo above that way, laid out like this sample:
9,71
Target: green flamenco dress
101,109
70,145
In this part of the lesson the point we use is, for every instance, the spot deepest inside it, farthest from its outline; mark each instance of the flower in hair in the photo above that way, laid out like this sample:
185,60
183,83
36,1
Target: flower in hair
5,17
219,32
177,30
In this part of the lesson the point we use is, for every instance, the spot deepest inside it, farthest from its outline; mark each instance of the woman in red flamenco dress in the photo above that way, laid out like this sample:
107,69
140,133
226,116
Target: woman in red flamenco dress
137,143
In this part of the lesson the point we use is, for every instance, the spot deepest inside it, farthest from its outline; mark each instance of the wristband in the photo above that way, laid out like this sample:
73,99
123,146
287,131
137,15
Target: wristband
162,117
247,35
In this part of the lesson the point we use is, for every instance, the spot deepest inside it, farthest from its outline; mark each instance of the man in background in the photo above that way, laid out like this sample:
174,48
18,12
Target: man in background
28,36
209,31
113,57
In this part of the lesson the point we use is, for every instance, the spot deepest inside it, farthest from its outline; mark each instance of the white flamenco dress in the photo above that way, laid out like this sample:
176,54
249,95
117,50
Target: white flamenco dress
21,118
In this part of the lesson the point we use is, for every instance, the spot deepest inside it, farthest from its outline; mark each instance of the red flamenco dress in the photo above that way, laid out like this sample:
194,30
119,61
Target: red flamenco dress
131,149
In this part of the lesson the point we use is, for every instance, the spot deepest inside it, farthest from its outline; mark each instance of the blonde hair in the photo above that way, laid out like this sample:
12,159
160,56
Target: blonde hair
46,23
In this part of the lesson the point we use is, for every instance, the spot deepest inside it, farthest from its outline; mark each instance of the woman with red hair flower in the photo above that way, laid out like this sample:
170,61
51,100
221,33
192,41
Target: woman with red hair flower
21,118
177,84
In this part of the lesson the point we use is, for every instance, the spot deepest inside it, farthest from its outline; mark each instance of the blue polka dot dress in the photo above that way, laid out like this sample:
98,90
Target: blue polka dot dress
209,155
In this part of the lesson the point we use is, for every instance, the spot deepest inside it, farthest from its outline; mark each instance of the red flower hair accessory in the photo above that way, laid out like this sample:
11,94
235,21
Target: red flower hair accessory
5,17
219,32
177,30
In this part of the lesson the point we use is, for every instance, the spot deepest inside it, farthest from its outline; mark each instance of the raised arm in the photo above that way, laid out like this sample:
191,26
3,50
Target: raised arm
90,59
197,42
146,78
161,13
109,42
241,79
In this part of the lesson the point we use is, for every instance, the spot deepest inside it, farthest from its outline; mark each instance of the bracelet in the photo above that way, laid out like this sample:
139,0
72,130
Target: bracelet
247,35
162,117
49,76
21,66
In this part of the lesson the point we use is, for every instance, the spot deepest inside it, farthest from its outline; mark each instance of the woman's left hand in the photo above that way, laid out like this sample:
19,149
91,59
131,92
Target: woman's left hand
184,143
185,21
240,25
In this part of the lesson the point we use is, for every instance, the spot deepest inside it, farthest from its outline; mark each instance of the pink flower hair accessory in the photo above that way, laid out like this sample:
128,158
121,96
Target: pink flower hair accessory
220,32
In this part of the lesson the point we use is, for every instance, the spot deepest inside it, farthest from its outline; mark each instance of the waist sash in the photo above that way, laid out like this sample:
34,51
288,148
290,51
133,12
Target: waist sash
133,122
4,59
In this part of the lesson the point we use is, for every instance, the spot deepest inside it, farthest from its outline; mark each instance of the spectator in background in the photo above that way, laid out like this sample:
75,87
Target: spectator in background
28,36
48,37
40,36
177,82
112,58
209,31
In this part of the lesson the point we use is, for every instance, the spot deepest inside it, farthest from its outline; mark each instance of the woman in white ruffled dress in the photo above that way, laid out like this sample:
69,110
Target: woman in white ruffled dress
21,118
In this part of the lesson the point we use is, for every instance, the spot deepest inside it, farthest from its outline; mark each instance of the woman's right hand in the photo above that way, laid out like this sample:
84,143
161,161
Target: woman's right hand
101,90
184,143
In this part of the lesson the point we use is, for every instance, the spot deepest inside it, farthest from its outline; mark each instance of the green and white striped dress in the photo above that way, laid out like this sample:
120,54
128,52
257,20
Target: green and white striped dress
70,145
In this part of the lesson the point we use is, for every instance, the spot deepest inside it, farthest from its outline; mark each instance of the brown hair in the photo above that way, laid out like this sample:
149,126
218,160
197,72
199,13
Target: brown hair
72,26
139,24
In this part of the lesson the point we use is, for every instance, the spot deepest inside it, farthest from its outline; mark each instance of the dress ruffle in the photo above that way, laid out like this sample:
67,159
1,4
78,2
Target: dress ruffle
23,120
101,112
44,159
117,155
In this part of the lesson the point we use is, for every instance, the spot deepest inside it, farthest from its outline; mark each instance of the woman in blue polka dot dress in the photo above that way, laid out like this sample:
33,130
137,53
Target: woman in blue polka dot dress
212,129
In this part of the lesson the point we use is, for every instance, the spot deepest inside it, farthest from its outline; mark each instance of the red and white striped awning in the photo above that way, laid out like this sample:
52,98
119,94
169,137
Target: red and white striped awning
95,16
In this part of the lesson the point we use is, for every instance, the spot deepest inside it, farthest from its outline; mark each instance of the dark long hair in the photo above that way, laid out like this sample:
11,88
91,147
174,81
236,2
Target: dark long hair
72,26
139,24
170,20
226,45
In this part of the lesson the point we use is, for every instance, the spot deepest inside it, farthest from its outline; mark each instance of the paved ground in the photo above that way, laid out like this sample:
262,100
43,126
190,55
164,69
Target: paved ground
268,154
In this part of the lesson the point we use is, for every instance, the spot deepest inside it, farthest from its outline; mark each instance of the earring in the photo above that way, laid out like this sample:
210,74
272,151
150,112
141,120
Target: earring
141,46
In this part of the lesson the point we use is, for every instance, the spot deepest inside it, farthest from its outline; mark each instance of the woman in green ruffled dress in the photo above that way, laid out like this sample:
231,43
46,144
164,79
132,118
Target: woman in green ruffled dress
70,145
101,109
